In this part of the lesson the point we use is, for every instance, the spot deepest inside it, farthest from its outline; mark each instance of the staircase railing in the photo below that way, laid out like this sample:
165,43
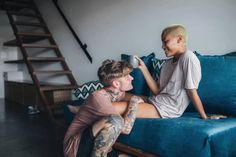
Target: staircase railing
83,46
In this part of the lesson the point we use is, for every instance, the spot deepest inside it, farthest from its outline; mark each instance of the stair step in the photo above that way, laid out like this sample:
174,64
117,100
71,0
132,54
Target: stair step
57,72
24,14
57,87
45,59
26,39
39,46
37,59
14,61
29,24
35,34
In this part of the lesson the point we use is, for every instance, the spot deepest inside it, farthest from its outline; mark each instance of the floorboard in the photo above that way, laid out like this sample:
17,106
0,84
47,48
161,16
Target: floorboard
23,135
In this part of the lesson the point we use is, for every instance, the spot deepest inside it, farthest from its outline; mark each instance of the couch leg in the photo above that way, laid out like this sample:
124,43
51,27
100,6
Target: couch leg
132,151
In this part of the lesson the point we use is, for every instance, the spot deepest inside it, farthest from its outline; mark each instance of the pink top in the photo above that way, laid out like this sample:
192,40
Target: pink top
95,107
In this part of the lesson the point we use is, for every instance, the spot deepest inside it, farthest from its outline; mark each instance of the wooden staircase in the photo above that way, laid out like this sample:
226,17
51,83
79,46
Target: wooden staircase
26,20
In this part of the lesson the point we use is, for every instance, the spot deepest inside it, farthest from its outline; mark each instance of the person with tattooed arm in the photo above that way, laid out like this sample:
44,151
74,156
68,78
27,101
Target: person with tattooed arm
98,124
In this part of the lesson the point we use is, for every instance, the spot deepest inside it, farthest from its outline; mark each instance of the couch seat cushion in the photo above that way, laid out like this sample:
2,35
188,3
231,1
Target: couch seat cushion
187,136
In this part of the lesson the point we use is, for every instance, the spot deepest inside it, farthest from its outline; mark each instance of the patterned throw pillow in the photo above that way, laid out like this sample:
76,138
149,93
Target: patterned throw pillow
157,65
84,90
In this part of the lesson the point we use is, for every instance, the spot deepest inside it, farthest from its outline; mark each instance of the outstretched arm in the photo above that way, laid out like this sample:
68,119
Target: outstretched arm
193,95
152,84
130,114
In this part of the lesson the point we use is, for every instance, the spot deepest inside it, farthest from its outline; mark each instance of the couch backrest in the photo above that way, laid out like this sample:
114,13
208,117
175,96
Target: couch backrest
217,88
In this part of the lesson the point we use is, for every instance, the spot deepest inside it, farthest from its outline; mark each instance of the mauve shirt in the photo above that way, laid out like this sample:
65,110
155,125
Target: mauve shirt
95,107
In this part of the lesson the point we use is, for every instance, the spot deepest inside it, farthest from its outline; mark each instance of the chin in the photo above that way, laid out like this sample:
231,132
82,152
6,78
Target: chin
167,54
128,89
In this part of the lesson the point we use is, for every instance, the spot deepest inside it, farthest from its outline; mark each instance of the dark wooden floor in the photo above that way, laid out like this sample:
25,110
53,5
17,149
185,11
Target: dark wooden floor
22,135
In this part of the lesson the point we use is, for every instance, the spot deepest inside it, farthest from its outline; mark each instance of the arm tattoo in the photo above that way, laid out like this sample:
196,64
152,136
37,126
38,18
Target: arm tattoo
130,115
107,136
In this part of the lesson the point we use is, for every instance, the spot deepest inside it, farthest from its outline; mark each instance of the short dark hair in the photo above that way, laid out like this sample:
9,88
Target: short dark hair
112,69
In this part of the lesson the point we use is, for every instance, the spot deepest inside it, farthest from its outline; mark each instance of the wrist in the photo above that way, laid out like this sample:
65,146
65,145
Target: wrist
205,117
136,99
143,68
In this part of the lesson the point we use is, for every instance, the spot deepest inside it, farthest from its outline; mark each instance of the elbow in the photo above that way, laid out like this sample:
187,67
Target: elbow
191,92
155,92
126,131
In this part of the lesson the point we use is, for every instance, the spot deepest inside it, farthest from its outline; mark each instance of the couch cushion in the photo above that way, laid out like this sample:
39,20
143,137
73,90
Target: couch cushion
187,136
84,90
140,86
217,88
231,54
157,65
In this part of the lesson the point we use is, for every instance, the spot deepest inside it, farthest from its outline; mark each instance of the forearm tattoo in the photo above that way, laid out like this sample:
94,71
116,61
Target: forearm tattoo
130,115
107,136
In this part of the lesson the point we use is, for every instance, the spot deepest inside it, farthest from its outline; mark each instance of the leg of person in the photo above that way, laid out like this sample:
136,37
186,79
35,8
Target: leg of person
145,110
73,109
106,131
86,143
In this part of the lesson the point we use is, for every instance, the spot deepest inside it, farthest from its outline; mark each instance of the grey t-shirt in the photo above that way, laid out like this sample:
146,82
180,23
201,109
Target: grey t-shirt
175,78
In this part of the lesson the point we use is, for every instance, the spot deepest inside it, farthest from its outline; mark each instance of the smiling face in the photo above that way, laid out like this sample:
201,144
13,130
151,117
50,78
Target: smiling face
170,45
174,40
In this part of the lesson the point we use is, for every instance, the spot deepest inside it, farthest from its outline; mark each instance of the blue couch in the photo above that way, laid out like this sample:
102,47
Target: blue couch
189,135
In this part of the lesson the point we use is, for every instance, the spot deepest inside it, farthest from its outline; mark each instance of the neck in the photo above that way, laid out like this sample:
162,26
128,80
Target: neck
180,52
114,93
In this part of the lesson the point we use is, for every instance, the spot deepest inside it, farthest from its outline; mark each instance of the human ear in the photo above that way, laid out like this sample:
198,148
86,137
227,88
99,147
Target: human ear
115,84
180,39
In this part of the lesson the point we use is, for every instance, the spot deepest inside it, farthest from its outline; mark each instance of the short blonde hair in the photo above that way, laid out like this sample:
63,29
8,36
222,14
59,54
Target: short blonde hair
175,30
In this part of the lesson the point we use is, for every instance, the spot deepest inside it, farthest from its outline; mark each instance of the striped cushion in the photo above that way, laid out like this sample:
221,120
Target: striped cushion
84,90
157,65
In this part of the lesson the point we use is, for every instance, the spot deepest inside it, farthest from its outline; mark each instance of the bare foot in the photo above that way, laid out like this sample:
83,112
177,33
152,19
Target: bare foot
73,109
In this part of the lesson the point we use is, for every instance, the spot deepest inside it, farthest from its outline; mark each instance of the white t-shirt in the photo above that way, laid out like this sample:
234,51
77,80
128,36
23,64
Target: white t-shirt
175,78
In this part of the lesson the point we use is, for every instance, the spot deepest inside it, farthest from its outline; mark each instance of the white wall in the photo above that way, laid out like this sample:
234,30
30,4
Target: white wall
112,27
6,53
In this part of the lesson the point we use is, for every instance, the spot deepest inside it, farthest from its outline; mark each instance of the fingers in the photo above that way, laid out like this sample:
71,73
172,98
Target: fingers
141,64
217,117
139,59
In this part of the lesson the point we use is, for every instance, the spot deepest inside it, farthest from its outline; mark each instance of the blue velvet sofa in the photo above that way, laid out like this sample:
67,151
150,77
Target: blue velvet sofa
189,135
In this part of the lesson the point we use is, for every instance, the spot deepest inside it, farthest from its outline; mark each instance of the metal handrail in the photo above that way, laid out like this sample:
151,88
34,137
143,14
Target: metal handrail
83,46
